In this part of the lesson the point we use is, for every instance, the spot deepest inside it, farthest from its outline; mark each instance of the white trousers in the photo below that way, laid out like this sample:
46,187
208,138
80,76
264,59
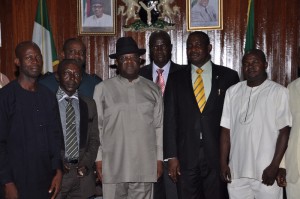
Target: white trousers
247,188
128,190
293,190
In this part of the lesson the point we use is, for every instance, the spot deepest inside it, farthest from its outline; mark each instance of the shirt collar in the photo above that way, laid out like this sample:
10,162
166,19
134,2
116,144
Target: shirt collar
61,95
166,67
126,81
207,67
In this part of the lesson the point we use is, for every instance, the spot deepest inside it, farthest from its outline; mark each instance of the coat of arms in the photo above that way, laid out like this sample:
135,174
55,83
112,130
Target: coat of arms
148,14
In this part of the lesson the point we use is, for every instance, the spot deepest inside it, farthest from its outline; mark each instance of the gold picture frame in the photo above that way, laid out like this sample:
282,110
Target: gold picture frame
90,24
204,15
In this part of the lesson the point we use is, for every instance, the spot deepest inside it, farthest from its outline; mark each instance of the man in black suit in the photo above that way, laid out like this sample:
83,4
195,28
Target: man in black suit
192,127
160,55
80,134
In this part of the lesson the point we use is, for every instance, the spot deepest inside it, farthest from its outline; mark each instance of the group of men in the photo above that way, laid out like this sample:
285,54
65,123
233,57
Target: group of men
163,131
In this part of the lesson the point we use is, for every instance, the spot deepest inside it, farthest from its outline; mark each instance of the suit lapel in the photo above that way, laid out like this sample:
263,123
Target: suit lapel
148,73
84,117
214,88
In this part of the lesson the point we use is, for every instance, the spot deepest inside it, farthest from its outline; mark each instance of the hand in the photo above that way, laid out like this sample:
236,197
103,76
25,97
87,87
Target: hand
225,173
281,180
160,168
99,170
174,168
11,191
269,175
55,184
82,171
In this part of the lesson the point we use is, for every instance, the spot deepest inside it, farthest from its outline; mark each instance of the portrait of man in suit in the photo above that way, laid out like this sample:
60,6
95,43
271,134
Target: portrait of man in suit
204,13
80,137
193,107
158,70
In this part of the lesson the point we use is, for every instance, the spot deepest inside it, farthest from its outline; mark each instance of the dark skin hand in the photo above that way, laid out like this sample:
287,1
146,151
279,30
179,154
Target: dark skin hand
224,152
280,179
174,168
56,183
160,168
271,172
99,170
11,191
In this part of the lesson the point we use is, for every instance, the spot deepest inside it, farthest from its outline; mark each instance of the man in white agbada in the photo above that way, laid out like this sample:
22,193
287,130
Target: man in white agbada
99,19
255,131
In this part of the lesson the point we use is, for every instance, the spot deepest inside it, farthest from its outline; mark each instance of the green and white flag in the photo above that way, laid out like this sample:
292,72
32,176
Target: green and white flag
43,37
250,27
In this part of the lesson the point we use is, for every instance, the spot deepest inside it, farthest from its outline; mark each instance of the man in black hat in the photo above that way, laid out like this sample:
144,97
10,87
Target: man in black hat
130,116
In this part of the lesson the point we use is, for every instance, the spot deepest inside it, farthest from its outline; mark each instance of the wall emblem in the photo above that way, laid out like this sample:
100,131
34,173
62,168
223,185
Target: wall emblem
141,15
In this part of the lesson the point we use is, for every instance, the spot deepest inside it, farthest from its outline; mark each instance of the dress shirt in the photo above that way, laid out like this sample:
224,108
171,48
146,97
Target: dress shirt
165,74
206,76
62,103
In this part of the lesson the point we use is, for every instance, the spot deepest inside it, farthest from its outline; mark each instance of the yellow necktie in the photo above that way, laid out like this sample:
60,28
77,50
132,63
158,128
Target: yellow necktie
199,90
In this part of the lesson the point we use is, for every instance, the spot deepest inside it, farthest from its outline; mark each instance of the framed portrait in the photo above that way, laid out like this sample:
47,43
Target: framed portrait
204,14
96,17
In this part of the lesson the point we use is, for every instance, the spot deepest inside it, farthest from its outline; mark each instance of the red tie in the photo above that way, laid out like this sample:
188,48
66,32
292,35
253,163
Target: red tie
160,80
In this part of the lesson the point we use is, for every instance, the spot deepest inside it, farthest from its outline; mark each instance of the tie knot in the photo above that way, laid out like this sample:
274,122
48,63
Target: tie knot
199,71
68,99
160,71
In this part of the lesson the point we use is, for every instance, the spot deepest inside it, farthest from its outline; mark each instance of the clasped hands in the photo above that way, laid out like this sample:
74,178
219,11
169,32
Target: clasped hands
270,174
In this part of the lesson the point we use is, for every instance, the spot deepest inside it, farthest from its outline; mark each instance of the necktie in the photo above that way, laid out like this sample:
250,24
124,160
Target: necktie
71,137
160,80
199,90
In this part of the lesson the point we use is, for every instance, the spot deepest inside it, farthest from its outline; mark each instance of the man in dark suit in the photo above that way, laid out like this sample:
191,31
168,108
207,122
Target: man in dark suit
73,48
80,134
160,55
193,108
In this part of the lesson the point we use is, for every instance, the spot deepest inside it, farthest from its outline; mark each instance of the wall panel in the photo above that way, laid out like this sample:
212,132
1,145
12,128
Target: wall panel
276,33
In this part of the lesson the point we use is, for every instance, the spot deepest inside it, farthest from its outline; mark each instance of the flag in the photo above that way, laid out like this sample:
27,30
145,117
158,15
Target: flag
42,36
250,27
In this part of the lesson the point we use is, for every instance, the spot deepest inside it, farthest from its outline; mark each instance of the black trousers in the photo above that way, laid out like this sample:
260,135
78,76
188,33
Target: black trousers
165,188
201,182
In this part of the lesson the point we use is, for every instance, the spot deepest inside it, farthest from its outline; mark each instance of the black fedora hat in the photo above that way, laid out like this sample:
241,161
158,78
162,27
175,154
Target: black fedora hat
126,45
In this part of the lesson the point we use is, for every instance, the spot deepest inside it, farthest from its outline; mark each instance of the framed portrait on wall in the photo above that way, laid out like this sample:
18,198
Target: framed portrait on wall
204,14
96,17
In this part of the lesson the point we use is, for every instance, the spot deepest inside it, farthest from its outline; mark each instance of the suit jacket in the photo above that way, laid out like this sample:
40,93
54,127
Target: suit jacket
292,156
89,143
183,121
146,71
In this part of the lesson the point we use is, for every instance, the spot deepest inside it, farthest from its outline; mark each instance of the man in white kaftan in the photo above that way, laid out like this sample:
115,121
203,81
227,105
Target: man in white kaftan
255,120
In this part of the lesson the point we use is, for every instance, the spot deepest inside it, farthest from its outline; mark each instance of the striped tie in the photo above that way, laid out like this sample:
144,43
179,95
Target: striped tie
160,80
71,137
199,90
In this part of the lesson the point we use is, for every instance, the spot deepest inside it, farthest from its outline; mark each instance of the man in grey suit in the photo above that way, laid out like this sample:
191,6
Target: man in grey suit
130,111
161,66
80,133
